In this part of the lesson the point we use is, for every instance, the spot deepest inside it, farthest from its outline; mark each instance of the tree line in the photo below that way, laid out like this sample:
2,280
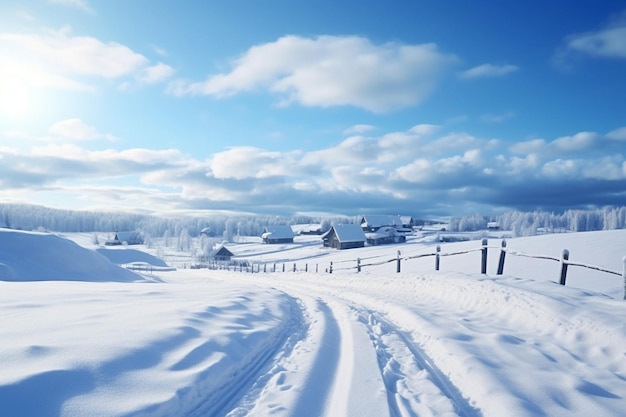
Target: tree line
34,217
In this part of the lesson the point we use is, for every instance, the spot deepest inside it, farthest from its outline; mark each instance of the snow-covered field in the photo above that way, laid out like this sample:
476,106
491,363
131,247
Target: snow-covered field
82,337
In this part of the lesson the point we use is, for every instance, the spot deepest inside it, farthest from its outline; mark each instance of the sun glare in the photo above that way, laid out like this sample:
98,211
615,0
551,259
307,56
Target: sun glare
14,97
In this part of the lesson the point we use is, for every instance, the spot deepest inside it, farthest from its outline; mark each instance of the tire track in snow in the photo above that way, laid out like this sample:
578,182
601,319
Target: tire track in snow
415,386
373,368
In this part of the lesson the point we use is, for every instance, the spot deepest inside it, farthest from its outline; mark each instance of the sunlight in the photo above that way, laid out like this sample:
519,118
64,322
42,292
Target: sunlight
14,97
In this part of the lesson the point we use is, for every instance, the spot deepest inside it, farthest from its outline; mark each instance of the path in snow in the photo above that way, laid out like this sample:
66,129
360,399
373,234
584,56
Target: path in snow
443,346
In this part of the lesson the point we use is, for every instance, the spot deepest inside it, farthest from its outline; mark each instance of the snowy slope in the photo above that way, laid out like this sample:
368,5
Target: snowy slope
376,343
31,256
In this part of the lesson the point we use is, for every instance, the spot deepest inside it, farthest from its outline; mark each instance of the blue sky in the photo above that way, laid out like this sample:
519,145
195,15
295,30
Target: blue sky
428,108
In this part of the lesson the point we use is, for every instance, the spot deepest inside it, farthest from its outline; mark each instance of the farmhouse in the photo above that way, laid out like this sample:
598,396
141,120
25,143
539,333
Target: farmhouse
128,238
385,235
373,222
344,236
278,234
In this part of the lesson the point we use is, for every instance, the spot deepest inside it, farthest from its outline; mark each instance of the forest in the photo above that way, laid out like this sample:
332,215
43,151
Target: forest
39,218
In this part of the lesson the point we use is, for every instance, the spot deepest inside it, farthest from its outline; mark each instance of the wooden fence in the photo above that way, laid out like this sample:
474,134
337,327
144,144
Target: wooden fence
358,264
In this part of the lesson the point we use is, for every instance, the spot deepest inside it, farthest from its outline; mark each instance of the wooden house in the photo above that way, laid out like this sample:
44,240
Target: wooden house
344,236
385,235
373,222
221,254
278,234
407,222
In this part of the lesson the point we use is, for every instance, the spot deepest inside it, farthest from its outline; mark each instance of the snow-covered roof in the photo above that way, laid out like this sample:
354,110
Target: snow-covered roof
278,232
128,236
349,232
379,220
386,231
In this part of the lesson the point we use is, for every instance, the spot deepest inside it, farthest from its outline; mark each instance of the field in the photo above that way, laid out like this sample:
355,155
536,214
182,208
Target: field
81,336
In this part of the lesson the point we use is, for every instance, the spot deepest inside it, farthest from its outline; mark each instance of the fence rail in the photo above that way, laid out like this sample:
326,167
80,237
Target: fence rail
438,254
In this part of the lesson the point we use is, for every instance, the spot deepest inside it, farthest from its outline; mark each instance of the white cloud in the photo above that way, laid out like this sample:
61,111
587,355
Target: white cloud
76,129
331,71
578,142
529,146
61,60
526,165
617,134
488,71
359,129
606,43
250,162
452,169
156,73
424,129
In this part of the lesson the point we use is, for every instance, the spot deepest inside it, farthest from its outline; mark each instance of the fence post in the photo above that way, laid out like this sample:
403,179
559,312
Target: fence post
294,267
437,256
483,263
564,259
331,267
316,265
398,263
358,264
502,255
264,267
624,275
306,267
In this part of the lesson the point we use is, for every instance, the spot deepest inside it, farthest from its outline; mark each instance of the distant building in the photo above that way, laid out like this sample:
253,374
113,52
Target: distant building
221,253
493,226
344,236
407,222
373,222
128,238
278,234
385,235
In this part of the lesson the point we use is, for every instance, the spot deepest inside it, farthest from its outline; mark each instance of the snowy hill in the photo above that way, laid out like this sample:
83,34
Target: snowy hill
422,342
30,256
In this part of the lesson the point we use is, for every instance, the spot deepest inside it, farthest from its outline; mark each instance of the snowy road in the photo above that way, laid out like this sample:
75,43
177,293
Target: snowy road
443,345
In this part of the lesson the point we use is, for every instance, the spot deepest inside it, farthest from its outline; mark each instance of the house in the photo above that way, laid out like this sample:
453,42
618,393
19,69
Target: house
385,235
407,222
373,222
278,234
344,236
127,238
221,254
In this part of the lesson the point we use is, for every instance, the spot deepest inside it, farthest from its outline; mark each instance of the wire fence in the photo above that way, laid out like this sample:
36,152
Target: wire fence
359,263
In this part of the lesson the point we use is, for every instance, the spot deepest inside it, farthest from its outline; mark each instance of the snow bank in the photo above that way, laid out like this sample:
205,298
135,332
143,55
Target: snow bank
30,256
127,256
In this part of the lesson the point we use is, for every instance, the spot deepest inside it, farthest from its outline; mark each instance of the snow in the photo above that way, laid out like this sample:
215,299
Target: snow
82,336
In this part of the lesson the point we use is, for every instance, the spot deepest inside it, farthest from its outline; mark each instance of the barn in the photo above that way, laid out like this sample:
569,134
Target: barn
344,236
278,234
